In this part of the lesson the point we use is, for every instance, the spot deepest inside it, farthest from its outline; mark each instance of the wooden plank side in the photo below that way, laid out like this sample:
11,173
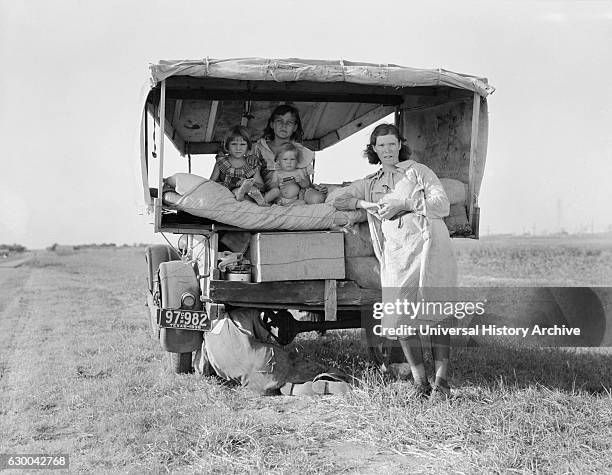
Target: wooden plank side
288,87
311,123
223,95
144,159
177,112
356,125
162,120
439,136
175,137
331,301
304,292
473,151
210,127
160,138
304,255
170,126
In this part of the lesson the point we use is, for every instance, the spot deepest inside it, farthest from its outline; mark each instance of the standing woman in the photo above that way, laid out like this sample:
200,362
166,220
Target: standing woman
406,203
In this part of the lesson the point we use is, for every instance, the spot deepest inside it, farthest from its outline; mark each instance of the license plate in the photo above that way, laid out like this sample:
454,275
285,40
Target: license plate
183,319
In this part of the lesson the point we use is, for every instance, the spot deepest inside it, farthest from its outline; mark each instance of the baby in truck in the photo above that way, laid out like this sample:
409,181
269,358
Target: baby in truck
291,185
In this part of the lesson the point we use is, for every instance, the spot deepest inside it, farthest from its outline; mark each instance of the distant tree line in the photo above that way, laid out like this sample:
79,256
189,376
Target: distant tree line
94,246
76,247
12,248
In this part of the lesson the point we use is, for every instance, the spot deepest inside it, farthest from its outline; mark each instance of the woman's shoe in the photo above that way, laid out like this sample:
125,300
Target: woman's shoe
440,392
399,371
422,390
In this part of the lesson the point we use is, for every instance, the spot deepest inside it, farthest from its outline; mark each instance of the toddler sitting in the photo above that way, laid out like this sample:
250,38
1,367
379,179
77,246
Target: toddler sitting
291,185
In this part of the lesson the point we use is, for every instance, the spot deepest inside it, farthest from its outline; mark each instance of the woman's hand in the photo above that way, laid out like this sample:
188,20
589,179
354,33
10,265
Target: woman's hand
370,207
321,188
388,208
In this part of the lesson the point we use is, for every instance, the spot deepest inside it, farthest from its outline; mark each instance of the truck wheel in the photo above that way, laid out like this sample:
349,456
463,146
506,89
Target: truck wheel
181,363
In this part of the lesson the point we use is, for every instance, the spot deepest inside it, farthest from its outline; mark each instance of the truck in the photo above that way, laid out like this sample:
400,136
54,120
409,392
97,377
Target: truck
442,114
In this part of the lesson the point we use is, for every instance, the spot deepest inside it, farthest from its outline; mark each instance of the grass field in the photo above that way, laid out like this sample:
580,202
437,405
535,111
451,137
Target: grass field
79,374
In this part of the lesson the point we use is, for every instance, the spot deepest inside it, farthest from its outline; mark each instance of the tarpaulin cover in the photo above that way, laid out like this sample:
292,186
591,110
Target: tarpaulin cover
292,69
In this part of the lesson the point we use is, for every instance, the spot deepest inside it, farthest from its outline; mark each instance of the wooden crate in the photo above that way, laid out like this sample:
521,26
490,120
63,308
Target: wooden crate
308,255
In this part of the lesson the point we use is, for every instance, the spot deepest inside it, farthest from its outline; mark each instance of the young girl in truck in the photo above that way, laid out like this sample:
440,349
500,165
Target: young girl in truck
236,169
284,126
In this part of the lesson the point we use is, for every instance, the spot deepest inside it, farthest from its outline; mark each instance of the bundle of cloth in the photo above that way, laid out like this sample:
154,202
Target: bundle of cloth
201,197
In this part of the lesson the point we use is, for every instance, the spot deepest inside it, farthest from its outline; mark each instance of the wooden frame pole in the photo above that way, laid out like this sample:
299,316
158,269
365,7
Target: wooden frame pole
144,159
473,200
162,128
160,181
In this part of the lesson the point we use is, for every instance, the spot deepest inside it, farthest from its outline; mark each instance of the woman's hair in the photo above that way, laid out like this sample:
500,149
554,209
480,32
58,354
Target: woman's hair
379,131
288,147
281,110
238,131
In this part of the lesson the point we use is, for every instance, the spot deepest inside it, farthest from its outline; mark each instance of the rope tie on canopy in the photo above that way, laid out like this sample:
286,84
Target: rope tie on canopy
270,67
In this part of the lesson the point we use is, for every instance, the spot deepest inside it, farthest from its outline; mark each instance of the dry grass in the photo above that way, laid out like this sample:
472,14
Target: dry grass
80,375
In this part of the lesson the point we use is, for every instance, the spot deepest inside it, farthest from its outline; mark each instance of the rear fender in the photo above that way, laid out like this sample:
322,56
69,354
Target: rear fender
154,256
176,278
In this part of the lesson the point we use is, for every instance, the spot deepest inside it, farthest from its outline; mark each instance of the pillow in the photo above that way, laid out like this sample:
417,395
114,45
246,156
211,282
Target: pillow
455,190
184,183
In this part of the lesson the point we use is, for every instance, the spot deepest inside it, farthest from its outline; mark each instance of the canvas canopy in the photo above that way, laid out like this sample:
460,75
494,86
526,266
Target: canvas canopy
287,70
335,98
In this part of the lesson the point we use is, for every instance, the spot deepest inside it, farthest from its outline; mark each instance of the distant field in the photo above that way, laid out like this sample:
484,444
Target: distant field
562,261
79,374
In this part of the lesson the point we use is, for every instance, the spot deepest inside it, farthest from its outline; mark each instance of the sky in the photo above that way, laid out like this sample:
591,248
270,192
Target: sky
72,73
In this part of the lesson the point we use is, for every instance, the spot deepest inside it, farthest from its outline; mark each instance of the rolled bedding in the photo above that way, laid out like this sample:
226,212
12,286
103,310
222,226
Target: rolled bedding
198,196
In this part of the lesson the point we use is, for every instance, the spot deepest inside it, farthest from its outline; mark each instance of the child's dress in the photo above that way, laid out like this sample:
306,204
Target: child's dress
232,177
300,175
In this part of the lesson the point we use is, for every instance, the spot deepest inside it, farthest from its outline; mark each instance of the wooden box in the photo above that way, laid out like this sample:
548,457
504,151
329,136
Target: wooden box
307,255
